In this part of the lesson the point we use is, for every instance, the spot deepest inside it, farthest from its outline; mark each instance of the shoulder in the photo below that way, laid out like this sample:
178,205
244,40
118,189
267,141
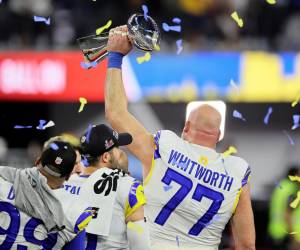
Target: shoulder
132,195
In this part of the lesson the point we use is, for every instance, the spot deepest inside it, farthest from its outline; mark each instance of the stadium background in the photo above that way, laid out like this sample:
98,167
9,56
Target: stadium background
250,68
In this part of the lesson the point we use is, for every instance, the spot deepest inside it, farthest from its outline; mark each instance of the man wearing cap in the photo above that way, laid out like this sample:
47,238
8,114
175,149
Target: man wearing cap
118,198
30,214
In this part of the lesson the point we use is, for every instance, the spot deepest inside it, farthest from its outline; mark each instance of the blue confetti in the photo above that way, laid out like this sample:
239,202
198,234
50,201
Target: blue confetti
85,161
86,65
41,125
267,116
291,141
20,127
88,134
54,146
238,115
41,19
296,119
145,10
167,188
177,240
167,28
176,20
179,46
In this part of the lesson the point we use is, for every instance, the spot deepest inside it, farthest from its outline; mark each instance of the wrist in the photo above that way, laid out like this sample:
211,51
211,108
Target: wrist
115,59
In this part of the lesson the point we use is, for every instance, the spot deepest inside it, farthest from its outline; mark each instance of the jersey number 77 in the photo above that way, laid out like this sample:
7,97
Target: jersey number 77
200,192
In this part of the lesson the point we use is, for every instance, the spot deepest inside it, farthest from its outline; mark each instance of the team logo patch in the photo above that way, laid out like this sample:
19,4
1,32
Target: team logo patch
108,143
116,135
83,139
58,160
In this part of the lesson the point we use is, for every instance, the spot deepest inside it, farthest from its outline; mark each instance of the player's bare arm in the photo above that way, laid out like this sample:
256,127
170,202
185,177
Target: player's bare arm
116,104
242,222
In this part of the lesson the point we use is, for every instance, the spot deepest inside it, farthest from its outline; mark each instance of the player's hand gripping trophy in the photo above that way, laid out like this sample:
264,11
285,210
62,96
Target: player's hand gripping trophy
142,31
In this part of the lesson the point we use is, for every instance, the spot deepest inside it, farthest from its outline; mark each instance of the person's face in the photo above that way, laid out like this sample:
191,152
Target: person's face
118,159
78,167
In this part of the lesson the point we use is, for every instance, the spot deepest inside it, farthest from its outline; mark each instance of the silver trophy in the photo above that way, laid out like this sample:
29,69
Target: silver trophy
142,31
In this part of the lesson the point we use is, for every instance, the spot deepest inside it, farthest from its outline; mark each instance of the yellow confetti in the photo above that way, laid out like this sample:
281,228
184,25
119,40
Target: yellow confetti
203,160
144,58
295,203
229,151
236,18
83,101
135,227
104,27
271,1
294,178
294,103
156,47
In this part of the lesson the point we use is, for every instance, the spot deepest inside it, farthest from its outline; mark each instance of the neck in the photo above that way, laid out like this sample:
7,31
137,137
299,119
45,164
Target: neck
91,169
52,182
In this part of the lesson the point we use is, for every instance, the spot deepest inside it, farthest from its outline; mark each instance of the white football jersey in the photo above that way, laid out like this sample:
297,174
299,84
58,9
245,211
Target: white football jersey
192,192
129,197
21,232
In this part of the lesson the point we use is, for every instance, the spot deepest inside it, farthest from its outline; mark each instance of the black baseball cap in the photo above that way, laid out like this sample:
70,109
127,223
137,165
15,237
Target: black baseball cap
100,139
58,158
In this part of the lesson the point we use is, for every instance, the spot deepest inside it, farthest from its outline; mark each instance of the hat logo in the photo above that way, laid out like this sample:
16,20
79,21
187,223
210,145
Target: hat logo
83,139
108,143
58,160
115,133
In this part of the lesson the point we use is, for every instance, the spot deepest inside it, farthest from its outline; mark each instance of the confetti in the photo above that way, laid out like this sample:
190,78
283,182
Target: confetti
289,137
296,119
238,115
229,151
167,188
167,28
294,103
104,27
88,134
135,227
54,146
156,47
82,101
87,65
145,58
41,19
49,124
271,1
233,84
295,203
179,46
266,119
85,161
145,10
20,126
41,125
294,178
177,240
238,20
203,160
176,20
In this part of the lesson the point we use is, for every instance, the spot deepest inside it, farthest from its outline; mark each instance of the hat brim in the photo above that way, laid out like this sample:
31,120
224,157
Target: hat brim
124,139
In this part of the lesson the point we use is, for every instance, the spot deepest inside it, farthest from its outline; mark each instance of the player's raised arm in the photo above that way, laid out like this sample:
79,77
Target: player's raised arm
116,104
242,222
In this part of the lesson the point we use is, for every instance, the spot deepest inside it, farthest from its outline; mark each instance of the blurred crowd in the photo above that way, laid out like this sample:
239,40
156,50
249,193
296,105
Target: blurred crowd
206,24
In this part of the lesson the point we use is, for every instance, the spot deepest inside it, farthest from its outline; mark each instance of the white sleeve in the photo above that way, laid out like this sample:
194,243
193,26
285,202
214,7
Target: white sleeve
138,235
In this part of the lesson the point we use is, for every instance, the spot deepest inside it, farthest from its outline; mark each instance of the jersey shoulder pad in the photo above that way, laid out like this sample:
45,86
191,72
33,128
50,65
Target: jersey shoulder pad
135,199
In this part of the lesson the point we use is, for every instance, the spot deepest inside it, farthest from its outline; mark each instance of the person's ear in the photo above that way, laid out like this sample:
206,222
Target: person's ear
186,127
106,157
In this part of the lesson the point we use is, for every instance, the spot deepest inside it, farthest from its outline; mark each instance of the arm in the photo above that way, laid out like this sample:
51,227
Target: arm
138,235
116,105
242,222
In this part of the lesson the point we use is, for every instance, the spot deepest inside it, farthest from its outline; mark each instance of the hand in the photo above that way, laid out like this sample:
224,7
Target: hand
118,40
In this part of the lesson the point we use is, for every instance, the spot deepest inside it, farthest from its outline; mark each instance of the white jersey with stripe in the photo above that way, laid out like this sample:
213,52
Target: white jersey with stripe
20,231
192,192
129,197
